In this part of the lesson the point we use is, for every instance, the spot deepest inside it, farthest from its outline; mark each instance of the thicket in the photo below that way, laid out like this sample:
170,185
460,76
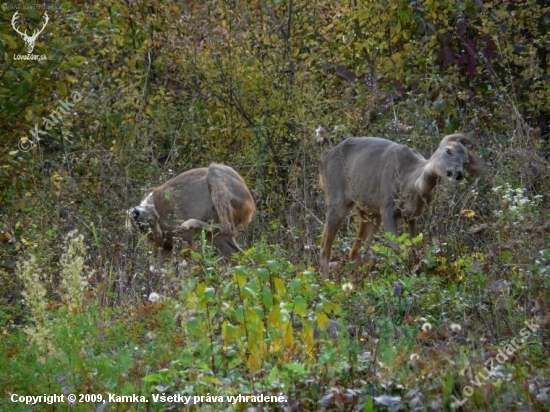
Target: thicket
134,92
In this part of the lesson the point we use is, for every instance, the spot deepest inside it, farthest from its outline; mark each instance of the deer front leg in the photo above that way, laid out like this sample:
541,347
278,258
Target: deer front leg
389,220
367,229
334,218
412,228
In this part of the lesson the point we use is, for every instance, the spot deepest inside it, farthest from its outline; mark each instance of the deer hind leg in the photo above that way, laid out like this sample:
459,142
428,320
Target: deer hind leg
367,229
334,217
218,187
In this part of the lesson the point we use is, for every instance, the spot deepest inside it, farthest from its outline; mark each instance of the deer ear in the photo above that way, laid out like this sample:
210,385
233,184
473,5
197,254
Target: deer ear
476,165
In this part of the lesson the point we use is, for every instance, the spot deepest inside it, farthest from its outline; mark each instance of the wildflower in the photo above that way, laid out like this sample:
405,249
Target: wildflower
468,213
153,297
426,327
347,287
455,327
414,357
74,271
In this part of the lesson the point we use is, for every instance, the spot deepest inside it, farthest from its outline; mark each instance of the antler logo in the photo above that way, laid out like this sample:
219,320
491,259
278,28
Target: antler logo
29,40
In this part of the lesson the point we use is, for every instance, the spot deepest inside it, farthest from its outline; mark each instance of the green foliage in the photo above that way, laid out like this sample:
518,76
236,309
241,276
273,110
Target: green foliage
263,314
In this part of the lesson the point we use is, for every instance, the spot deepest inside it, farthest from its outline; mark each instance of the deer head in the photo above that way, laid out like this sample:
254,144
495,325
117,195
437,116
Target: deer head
29,40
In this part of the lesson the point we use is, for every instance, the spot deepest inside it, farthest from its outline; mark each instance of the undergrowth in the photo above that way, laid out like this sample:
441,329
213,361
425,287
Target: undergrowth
403,336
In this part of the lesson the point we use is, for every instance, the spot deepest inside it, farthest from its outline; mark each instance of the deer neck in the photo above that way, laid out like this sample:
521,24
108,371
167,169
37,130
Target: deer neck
426,181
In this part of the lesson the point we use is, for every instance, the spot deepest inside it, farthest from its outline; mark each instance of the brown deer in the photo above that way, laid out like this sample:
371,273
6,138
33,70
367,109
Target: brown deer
215,199
385,181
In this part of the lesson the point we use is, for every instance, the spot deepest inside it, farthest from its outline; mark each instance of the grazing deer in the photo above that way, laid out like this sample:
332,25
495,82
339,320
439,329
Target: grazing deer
386,181
29,40
215,199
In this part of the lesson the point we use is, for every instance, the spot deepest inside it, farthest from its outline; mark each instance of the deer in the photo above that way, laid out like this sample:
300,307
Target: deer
386,181
214,199
29,40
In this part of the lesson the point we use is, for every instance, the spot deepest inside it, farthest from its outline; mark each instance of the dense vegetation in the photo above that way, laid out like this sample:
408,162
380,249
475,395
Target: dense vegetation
134,92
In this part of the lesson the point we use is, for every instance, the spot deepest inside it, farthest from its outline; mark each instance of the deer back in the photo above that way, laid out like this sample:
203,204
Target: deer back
369,171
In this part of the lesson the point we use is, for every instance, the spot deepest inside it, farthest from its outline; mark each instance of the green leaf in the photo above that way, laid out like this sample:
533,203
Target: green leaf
192,324
296,368
21,88
76,62
250,292
263,274
267,297
209,292
201,287
369,404
300,306
240,276
295,285
229,332
273,266
505,256
239,314
12,44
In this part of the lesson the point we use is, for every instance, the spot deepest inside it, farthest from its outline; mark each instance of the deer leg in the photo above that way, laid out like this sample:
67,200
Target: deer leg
361,235
389,220
165,252
226,245
412,228
334,218
369,227
372,228
218,186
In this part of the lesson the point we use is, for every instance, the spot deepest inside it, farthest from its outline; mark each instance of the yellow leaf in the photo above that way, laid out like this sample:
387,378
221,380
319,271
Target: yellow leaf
56,180
307,335
322,320
240,279
274,318
276,346
254,361
289,337
63,89
279,286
